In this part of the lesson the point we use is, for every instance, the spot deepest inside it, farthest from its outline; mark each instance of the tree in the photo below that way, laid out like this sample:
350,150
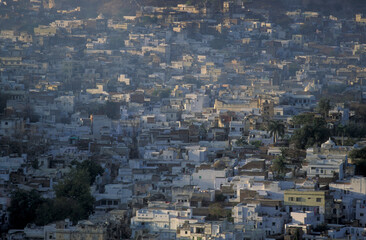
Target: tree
256,143
293,155
293,68
310,135
276,129
202,132
220,197
75,191
161,93
112,109
216,211
218,43
117,41
279,166
306,118
283,20
23,207
241,142
45,213
93,169
358,156
324,107
3,100
313,131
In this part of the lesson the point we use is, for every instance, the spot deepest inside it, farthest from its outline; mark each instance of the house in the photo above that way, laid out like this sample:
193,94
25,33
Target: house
253,214
328,161
101,125
260,136
305,200
163,221
207,177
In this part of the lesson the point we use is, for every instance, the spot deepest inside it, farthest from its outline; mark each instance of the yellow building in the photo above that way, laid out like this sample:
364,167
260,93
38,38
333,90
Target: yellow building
42,30
305,198
308,200
360,19
85,230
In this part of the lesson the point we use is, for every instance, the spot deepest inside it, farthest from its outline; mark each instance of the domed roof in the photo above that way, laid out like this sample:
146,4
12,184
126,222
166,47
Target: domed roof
219,164
100,16
328,144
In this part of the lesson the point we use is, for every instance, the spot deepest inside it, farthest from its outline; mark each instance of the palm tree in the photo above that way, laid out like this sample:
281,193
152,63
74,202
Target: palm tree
276,129
279,165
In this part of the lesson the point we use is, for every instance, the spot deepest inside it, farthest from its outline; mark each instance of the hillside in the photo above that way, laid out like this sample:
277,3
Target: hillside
117,8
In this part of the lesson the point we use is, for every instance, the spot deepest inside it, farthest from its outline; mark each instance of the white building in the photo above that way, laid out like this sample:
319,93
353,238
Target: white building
262,136
361,212
270,220
65,103
196,153
209,178
124,79
101,125
326,162
196,102
161,220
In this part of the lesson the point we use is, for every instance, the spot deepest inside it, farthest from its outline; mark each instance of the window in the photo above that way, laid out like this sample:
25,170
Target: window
298,199
361,214
290,198
273,224
318,199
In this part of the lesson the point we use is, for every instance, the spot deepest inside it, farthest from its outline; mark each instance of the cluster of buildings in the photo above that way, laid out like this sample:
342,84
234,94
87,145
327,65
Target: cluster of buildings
173,103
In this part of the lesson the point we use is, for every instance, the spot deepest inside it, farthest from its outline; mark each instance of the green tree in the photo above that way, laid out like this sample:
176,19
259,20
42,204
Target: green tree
306,118
94,169
75,191
220,197
283,20
313,131
276,129
310,135
3,100
216,211
118,41
358,157
45,213
202,132
279,166
324,107
218,43
112,109
162,93
293,68
256,143
23,207
307,29
241,142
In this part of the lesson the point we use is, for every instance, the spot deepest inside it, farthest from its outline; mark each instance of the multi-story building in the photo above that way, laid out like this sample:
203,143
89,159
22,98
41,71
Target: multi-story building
305,200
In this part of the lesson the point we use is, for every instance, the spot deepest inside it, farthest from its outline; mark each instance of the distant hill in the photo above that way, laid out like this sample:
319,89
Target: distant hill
114,7
127,7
